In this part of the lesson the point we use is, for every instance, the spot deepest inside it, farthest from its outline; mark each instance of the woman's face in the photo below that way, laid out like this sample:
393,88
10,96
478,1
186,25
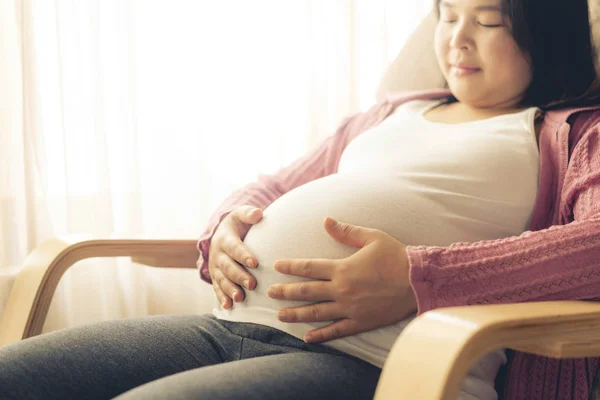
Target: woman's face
481,62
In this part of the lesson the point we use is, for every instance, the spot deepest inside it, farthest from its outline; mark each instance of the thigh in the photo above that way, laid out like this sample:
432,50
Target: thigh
100,361
294,376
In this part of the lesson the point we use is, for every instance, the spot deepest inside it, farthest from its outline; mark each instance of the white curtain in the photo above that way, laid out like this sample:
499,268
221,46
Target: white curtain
137,117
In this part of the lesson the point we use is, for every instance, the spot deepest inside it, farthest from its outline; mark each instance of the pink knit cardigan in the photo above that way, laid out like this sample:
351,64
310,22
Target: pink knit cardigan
558,258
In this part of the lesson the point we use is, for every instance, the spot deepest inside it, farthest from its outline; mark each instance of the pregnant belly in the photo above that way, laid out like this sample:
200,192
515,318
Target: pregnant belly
292,227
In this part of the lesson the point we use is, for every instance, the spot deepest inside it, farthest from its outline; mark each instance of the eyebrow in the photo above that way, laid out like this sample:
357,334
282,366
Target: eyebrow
447,4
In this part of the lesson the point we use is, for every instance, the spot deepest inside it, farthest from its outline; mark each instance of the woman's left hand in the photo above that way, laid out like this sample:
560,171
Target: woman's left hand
365,291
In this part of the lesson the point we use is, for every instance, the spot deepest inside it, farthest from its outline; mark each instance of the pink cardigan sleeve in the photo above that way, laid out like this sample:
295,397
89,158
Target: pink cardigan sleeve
320,162
558,263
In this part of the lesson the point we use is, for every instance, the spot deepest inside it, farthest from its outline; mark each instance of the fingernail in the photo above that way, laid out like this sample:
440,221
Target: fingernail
250,263
282,315
247,284
249,212
272,292
308,338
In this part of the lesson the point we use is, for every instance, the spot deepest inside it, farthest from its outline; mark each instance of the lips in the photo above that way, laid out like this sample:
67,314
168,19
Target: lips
462,69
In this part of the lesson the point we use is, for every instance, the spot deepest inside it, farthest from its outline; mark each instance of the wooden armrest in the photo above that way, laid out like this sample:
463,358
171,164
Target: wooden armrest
435,352
36,283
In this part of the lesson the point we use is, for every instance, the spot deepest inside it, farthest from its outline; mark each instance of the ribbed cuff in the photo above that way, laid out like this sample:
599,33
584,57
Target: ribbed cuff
418,274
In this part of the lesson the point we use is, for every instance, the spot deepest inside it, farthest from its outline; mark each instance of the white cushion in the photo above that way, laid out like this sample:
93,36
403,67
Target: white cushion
416,66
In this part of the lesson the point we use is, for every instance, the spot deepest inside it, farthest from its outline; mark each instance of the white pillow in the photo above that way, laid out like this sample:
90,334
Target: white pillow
416,66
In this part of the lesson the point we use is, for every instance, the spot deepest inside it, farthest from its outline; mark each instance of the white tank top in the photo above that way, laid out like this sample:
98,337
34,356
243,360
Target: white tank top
423,183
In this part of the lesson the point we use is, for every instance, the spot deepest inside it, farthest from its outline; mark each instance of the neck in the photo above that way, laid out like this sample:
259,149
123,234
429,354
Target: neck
501,107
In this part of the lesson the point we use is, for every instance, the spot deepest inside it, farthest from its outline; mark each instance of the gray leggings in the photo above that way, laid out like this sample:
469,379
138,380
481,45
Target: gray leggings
179,357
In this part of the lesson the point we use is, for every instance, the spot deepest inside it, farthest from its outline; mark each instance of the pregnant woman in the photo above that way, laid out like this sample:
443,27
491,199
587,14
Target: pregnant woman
427,200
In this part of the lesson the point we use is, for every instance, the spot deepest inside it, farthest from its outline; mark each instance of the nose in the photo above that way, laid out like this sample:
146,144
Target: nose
461,37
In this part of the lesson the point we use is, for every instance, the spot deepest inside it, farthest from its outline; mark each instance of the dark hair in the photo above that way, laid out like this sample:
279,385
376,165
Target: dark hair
556,35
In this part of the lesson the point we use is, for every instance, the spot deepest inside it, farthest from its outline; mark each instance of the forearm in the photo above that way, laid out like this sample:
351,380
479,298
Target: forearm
558,263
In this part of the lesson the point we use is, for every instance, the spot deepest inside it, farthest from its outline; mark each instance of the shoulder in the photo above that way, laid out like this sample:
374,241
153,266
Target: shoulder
577,118
582,122
584,127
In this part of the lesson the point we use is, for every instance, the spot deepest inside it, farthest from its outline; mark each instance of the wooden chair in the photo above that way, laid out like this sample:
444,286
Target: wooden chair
421,362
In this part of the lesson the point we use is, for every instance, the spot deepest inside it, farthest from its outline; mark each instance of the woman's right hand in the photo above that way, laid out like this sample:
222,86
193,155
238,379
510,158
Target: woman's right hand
227,252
